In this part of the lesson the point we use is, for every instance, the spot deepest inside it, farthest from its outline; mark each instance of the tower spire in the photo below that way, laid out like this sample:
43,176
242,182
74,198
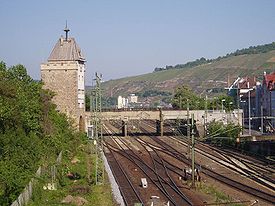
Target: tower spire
66,31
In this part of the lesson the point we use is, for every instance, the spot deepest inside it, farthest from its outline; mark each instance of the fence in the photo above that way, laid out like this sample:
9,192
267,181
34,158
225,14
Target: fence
26,195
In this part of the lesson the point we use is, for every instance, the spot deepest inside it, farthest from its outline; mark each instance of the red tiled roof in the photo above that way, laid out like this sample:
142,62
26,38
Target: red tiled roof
247,82
269,80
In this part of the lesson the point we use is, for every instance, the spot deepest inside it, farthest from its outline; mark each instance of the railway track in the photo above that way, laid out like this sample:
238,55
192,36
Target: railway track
221,178
134,159
161,167
248,169
236,164
129,193
156,172
163,147
237,185
262,174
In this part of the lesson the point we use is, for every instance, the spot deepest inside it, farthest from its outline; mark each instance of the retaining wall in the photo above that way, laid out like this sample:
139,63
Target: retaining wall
115,188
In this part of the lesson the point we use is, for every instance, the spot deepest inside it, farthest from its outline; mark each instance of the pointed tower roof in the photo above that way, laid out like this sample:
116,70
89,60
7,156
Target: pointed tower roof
66,49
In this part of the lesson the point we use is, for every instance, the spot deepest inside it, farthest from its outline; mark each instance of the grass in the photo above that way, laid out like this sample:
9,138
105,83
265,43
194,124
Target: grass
218,196
96,195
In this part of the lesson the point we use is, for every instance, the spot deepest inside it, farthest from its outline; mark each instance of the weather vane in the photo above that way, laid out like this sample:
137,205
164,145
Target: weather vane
67,31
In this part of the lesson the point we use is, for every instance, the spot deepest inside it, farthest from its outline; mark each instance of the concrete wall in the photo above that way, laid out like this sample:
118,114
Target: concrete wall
263,148
130,115
115,188
201,117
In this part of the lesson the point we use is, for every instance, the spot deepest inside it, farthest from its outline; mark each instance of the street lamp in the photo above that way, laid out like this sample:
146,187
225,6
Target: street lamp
230,105
249,108
244,107
215,102
223,100
248,90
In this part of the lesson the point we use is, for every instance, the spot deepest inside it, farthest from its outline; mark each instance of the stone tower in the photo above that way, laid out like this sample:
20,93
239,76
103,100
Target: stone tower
64,74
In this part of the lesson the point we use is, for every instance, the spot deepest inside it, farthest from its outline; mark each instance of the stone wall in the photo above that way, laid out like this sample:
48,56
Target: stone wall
61,77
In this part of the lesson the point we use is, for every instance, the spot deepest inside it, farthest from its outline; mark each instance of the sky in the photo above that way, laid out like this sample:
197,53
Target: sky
122,38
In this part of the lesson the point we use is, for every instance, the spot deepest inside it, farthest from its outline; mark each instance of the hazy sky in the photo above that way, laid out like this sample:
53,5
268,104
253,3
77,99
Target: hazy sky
128,37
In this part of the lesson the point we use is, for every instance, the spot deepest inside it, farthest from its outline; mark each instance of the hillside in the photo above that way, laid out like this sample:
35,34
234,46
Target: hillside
206,78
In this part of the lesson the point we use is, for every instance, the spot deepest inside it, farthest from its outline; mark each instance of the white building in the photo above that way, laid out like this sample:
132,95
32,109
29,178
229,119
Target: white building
133,98
122,102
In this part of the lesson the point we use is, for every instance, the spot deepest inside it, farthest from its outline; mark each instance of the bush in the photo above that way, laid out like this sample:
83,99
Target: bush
218,133
32,132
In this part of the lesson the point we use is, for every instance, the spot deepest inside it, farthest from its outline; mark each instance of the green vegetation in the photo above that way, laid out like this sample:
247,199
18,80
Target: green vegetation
184,97
152,93
207,78
221,134
109,102
218,196
32,133
197,62
87,102
83,187
251,50
23,110
106,101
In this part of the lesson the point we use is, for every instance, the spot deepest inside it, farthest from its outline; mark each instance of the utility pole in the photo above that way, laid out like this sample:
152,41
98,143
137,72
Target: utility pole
205,115
238,105
188,129
249,112
97,126
193,151
249,109
262,120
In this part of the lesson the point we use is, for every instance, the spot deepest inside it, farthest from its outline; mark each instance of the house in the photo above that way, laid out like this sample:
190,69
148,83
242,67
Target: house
122,102
268,100
248,101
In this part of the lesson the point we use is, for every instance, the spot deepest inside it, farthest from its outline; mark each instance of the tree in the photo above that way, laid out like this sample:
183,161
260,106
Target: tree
184,96
31,130
226,101
223,134
87,102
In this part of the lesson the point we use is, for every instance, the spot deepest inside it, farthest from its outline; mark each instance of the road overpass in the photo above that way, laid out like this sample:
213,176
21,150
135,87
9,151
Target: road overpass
202,117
